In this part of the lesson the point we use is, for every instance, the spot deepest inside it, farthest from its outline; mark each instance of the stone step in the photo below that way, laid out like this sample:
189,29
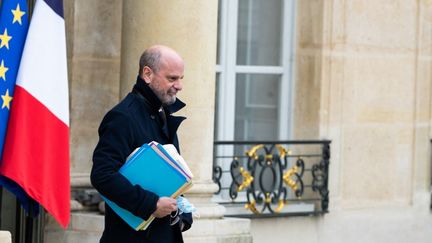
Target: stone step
88,227
5,237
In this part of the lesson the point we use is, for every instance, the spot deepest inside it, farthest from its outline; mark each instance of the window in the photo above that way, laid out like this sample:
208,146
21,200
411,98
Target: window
254,69
254,75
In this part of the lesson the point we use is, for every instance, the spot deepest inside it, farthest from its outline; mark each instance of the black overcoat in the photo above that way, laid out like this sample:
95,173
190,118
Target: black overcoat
129,125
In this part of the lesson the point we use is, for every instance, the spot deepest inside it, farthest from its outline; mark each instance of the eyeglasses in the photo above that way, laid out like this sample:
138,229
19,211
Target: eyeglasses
174,217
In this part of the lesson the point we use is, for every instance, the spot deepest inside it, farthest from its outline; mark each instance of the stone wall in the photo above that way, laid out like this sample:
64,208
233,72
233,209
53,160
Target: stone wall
375,77
364,81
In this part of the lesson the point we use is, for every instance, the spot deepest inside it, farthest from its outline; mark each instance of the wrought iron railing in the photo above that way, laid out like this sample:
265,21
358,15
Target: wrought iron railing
272,178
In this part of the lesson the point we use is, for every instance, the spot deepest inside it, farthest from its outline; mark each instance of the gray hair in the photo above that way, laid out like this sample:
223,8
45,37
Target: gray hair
150,58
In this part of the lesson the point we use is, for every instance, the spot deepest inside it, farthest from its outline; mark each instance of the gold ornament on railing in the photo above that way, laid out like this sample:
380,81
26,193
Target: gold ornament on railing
251,207
281,204
290,182
269,159
267,198
247,179
282,151
252,153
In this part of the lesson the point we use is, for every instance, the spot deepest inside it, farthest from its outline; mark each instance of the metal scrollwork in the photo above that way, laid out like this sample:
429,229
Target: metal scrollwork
296,171
217,175
241,178
269,177
264,178
320,177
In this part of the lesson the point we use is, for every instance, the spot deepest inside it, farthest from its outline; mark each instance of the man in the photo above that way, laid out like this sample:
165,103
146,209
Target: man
144,115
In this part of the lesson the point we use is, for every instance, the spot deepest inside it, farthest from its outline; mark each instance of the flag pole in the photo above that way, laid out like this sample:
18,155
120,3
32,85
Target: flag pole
18,217
29,224
1,202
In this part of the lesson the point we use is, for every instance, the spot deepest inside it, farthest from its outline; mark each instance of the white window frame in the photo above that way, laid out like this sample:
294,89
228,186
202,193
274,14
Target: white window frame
228,69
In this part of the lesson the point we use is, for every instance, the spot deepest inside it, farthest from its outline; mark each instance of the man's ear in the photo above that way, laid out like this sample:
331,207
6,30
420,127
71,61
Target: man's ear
147,74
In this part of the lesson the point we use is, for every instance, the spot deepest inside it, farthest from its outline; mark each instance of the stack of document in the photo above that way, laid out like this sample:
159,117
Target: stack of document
156,168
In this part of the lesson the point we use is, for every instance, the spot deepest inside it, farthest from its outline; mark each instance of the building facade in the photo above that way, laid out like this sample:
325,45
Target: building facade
356,73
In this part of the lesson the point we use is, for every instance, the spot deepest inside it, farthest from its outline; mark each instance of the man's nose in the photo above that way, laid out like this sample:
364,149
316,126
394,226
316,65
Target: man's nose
178,85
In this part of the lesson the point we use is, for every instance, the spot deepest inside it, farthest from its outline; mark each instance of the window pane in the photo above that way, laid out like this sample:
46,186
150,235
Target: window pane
219,26
217,98
256,115
259,32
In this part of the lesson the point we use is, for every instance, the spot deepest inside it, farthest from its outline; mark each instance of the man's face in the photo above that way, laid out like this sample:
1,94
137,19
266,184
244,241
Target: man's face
166,82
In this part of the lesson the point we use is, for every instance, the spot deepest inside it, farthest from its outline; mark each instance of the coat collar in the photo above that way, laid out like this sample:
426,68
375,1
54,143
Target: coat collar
152,100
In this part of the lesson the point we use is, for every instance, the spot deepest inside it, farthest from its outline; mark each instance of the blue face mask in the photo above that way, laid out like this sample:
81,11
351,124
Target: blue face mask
185,206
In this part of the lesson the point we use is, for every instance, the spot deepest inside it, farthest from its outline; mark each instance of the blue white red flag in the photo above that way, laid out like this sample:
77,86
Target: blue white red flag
36,147
13,32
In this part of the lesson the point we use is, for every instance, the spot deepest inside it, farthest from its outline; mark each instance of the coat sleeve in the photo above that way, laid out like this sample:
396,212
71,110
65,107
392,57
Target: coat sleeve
187,220
116,139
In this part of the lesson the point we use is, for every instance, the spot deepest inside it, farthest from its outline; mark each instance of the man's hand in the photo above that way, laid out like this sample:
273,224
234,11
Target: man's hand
164,207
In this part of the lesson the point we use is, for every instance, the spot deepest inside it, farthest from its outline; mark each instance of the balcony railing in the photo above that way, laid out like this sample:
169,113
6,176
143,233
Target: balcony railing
272,178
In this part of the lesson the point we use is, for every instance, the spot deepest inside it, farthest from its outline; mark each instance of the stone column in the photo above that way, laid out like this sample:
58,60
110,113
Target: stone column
93,31
189,27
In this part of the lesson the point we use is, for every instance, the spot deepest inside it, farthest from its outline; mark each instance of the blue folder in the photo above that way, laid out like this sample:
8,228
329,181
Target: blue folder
154,170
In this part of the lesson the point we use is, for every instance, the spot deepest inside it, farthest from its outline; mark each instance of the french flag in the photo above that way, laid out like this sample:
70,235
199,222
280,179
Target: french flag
36,149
